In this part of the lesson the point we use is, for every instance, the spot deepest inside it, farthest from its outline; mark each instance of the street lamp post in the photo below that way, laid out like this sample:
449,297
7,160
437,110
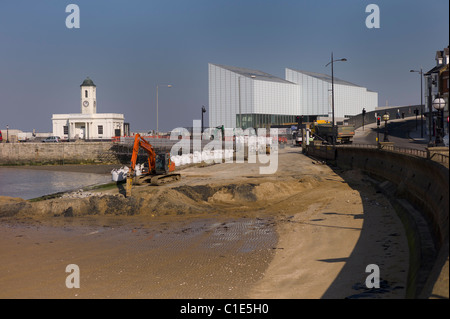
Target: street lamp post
431,82
7,133
421,100
378,130
203,111
439,104
363,116
157,106
239,96
385,119
332,93
416,112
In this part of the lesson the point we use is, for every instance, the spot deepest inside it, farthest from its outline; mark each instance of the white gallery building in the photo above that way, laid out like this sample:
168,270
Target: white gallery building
258,99
88,124
349,98
250,97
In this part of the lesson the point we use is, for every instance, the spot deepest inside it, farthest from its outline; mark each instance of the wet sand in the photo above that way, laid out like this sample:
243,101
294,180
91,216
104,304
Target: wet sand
182,259
223,231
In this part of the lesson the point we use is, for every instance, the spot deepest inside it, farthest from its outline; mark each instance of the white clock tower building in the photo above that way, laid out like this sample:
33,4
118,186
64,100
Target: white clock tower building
88,97
88,125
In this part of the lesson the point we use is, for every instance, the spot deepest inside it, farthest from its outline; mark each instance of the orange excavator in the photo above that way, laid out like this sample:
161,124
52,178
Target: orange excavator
160,166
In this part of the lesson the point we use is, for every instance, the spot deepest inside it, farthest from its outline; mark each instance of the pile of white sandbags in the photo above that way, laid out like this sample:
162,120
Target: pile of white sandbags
181,160
119,174
207,156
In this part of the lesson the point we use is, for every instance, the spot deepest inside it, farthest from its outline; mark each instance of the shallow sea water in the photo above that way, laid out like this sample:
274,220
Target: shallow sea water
29,183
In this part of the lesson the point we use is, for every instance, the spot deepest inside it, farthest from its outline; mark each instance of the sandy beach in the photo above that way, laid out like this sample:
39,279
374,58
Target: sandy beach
222,231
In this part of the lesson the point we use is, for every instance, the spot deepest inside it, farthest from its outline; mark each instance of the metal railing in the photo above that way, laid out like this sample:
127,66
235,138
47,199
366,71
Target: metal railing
434,156
353,145
392,148
440,158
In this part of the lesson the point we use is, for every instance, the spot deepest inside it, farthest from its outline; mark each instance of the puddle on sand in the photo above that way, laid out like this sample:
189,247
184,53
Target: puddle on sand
237,235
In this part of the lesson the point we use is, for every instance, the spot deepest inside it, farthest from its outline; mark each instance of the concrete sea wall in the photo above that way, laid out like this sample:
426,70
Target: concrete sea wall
56,153
419,189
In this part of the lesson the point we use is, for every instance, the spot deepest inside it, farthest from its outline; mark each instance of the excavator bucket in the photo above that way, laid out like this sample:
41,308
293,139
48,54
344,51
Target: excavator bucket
128,186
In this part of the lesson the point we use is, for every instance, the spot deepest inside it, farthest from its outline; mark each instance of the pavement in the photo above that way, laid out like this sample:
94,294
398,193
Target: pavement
414,134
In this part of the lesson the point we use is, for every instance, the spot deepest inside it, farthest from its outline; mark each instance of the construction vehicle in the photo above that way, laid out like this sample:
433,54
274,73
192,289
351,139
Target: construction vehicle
299,132
324,130
160,166
218,131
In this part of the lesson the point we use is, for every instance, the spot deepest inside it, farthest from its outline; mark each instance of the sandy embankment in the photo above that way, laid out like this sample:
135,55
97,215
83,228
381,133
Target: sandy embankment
223,231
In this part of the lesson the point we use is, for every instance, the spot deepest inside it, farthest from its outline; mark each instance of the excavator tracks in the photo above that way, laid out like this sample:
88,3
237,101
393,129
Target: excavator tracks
159,180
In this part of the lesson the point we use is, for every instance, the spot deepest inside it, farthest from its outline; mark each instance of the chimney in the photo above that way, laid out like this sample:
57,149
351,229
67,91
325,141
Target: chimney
446,57
439,57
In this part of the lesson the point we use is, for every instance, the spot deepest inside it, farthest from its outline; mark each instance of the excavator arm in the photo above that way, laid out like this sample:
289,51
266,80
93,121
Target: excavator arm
140,142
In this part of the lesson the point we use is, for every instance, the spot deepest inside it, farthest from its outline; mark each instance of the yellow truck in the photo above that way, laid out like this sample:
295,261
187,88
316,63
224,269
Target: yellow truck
324,130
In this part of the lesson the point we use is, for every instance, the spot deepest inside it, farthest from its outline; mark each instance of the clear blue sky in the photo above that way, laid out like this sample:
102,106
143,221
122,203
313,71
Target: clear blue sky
128,47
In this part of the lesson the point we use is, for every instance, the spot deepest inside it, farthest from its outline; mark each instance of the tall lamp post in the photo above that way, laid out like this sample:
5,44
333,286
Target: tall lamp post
378,130
7,133
203,111
421,100
431,82
332,92
363,116
439,104
157,106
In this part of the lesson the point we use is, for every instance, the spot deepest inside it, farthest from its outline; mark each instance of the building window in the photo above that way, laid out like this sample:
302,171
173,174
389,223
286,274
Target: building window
66,130
85,93
100,129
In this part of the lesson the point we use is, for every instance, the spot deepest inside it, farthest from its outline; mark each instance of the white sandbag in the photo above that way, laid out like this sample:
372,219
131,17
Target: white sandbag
218,155
206,156
185,159
138,169
197,157
228,154
176,159
115,175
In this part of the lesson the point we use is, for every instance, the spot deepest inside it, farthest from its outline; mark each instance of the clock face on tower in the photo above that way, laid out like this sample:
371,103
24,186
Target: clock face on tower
86,103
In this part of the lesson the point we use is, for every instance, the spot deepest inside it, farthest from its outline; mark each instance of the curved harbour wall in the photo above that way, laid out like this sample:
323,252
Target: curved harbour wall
419,190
